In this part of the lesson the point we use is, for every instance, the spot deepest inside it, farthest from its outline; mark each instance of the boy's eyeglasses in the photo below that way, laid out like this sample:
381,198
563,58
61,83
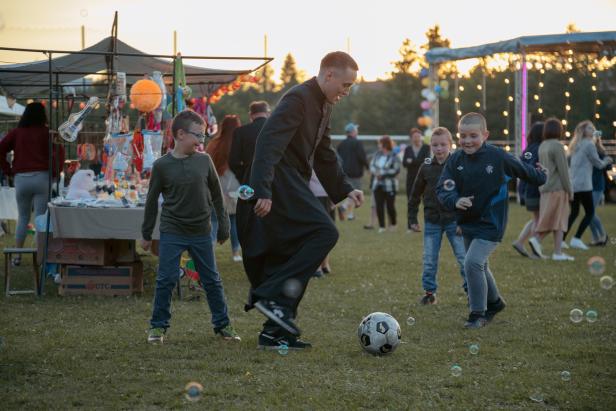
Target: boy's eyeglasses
200,137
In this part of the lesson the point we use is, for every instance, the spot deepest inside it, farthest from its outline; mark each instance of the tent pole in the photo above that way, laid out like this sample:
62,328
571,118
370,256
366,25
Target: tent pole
521,105
433,76
43,271
173,90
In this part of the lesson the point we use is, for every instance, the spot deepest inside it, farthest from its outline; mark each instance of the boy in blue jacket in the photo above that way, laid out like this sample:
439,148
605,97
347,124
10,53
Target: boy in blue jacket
474,183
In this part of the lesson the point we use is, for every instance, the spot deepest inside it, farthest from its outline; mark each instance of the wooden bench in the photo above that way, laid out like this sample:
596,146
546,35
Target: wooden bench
8,255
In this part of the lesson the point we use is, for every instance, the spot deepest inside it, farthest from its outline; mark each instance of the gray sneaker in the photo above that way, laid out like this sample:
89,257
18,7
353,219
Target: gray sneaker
156,335
228,333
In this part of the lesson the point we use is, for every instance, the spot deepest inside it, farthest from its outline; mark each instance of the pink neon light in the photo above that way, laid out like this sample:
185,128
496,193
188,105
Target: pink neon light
524,102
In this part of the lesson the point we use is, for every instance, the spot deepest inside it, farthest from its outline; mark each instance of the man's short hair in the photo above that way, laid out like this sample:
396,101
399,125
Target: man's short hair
257,107
442,131
339,60
415,130
184,119
473,119
552,129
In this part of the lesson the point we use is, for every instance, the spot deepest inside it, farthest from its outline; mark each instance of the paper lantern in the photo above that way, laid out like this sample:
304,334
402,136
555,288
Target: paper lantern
145,95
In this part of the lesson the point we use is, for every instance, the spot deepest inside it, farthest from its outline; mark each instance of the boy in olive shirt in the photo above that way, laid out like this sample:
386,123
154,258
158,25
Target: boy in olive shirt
189,184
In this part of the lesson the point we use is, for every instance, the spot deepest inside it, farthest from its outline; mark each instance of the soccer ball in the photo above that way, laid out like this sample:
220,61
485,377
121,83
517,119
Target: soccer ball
379,333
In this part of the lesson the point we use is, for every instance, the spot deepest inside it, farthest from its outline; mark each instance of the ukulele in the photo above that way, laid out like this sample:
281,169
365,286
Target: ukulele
71,128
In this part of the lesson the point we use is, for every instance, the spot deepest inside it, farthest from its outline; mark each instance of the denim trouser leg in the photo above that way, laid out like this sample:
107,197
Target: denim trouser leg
170,251
202,253
459,251
596,227
433,235
235,241
480,281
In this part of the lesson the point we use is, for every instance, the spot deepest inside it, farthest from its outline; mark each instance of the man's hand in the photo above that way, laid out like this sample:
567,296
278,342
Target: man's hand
145,244
416,228
263,207
541,168
458,230
464,203
357,196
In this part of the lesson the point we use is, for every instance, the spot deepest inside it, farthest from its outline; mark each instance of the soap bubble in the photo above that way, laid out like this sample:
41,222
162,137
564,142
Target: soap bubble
565,375
591,316
245,192
576,315
427,161
596,265
283,349
528,155
292,288
537,396
449,184
474,348
606,282
193,391
456,370
410,321
83,13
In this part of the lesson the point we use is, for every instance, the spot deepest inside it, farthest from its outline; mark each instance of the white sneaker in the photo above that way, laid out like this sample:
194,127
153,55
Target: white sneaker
577,243
564,245
57,279
562,257
237,258
535,245
381,230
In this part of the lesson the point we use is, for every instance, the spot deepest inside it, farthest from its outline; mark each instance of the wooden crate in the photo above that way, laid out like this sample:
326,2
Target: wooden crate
75,251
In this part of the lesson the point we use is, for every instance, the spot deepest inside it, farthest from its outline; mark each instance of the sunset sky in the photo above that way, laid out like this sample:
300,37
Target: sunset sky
306,29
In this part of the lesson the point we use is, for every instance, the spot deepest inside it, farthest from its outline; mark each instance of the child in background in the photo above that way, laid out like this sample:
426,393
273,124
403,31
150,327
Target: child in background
474,183
189,185
437,219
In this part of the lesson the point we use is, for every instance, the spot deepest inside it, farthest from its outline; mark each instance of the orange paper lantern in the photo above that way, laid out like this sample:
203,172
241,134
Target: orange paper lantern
145,95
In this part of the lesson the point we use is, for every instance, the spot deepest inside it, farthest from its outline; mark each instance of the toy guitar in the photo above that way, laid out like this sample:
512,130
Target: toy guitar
71,128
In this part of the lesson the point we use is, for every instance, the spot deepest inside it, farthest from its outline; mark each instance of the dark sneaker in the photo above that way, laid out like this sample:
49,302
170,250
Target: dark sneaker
476,320
228,333
279,314
520,249
271,342
428,299
156,335
318,273
495,308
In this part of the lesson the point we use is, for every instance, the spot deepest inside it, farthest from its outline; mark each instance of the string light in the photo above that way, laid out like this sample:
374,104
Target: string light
505,113
461,88
479,87
477,104
510,98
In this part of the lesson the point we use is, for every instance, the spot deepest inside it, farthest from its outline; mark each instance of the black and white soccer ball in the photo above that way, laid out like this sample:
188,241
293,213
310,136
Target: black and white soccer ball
379,333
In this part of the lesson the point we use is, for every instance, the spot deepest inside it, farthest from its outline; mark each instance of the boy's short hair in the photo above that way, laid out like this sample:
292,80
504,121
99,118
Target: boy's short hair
442,131
257,107
339,60
475,119
415,130
183,120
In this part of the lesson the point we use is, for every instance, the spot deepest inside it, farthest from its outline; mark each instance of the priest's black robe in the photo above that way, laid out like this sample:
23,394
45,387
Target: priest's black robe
293,239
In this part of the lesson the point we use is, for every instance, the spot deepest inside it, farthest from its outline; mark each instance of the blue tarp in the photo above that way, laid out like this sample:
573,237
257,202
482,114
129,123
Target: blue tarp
579,42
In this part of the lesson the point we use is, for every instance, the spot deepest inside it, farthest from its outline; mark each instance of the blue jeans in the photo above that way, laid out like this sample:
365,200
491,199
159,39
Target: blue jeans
481,285
202,253
433,235
595,224
235,242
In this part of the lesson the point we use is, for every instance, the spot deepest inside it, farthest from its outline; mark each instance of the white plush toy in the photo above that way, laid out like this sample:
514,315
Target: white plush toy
81,185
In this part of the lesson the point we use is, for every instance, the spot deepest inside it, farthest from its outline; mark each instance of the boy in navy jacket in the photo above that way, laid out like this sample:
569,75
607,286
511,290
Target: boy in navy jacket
474,183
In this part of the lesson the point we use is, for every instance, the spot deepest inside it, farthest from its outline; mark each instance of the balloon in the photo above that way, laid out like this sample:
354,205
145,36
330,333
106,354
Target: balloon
431,97
427,121
425,81
427,113
145,95
425,105
445,93
444,84
425,92
420,122
423,72
437,88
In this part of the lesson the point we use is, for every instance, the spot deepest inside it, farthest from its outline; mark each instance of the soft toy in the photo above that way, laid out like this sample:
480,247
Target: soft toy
81,185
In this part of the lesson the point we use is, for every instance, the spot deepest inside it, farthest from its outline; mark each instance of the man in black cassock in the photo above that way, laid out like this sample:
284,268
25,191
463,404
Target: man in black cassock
284,231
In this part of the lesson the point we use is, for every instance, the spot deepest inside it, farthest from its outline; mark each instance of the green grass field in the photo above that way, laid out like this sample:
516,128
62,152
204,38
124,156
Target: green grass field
61,352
